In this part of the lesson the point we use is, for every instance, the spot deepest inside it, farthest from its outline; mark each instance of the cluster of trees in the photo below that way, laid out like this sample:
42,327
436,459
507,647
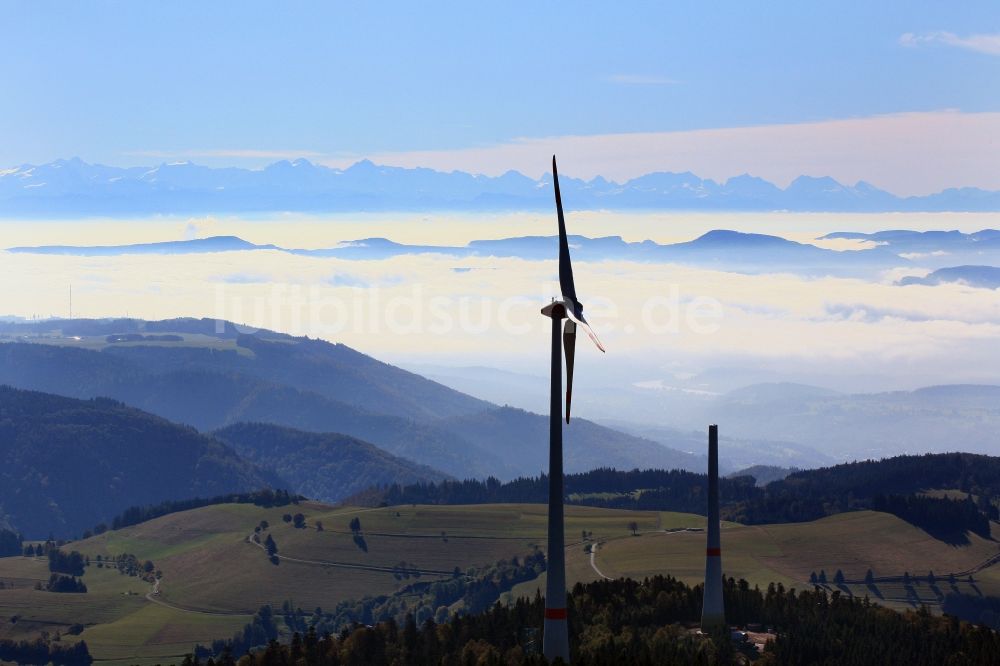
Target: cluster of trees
298,520
41,651
271,548
261,629
297,619
422,601
944,518
269,544
476,589
130,565
139,514
71,563
632,622
11,543
60,583
40,549
802,496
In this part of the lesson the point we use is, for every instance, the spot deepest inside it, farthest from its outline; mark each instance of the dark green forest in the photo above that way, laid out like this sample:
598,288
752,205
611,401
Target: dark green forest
41,651
677,489
645,623
140,514
323,466
943,518
70,464
892,485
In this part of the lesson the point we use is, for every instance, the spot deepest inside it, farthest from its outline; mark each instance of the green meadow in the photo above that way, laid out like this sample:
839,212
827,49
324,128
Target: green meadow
214,577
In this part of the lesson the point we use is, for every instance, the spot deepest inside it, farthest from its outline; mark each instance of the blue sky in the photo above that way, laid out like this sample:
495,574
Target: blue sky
245,82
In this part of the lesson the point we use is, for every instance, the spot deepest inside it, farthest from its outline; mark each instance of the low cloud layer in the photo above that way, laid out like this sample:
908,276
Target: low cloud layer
675,317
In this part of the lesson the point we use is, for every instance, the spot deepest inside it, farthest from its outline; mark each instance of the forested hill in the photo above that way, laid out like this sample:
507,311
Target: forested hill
322,466
896,485
818,492
211,374
70,464
334,371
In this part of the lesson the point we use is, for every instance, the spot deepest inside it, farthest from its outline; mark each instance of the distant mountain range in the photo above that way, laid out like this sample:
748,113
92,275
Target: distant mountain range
934,249
723,249
70,188
985,277
934,419
720,249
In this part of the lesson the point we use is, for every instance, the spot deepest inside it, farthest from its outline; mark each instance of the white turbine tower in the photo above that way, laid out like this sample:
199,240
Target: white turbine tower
555,638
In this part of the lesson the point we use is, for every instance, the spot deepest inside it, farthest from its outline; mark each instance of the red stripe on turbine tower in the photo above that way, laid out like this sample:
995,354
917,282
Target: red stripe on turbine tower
714,552
555,614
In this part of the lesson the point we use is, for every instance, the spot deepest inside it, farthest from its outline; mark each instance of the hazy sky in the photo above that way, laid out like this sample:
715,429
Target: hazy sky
459,84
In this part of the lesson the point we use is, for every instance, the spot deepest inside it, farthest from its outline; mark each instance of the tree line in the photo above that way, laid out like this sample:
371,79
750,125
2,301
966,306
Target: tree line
646,622
40,651
678,489
802,496
477,589
60,583
941,517
139,514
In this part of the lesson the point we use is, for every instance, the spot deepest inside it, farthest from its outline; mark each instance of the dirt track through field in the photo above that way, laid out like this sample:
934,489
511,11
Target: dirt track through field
353,565
593,563
154,597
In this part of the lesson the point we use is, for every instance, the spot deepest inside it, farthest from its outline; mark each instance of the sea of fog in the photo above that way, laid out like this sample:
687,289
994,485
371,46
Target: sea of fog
669,329
311,231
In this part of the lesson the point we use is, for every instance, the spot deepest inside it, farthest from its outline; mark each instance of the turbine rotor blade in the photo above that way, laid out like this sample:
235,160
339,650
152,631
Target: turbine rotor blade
574,313
569,345
566,284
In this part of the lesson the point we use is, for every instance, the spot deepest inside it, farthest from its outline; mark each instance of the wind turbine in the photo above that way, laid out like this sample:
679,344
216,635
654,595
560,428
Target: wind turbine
555,636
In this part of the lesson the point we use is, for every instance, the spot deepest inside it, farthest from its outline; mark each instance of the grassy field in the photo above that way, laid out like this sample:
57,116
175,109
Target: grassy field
213,578
789,553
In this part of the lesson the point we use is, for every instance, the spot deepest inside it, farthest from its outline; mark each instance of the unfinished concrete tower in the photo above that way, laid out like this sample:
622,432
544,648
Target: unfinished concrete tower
713,613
